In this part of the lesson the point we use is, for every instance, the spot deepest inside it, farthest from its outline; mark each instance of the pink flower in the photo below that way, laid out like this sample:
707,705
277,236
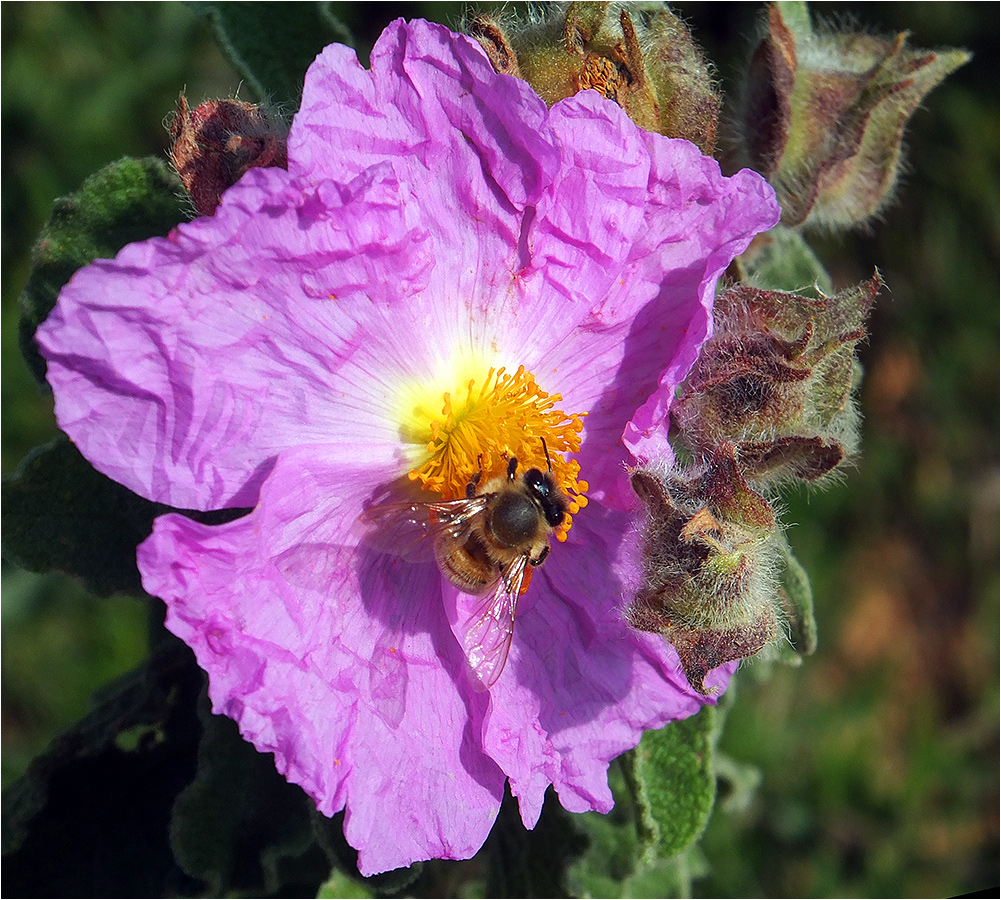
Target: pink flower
338,327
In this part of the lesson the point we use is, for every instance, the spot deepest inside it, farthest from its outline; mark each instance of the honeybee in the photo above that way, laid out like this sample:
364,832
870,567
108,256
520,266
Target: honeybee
486,545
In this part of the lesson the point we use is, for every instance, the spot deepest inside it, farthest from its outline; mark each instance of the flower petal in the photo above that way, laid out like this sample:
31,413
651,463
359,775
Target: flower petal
181,367
473,148
700,221
335,658
590,214
581,687
643,330
435,214
429,94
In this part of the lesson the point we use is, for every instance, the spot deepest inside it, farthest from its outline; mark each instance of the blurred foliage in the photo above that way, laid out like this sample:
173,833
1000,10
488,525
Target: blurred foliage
59,645
878,757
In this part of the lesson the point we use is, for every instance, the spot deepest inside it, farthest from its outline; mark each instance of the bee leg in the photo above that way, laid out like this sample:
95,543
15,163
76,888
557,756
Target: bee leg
512,467
541,558
475,480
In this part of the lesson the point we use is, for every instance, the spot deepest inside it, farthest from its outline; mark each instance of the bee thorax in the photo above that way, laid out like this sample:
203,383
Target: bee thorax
514,520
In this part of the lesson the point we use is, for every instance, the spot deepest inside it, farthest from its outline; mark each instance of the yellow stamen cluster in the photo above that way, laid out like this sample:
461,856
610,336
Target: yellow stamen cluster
509,415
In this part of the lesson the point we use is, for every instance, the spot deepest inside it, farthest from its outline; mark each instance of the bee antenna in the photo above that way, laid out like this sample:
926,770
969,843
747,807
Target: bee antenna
545,450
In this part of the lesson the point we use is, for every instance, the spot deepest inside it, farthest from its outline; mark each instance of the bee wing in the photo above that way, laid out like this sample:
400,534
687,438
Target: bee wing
410,530
488,631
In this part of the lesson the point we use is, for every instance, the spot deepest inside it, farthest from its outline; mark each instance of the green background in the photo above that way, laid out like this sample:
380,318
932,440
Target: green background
878,757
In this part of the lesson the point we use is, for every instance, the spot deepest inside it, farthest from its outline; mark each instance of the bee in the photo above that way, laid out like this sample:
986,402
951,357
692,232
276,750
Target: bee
487,545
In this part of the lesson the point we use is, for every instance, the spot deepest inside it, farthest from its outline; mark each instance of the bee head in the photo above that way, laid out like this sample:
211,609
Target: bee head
547,494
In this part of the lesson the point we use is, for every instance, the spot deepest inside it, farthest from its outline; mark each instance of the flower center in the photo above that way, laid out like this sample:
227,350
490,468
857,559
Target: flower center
508,415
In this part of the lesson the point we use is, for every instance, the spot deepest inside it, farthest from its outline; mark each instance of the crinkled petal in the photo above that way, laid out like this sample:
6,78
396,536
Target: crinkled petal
181,367
704,221
335,658
581,687
589,217
430,99
436,219
473,147
643,330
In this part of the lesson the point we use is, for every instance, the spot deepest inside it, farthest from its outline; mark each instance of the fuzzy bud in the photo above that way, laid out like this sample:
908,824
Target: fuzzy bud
824,113
640,55
710,557
214,144
776,381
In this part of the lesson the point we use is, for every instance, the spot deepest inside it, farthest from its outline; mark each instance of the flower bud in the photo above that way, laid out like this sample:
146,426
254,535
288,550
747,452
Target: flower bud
776,381
640,55
710,554
214,144
824,114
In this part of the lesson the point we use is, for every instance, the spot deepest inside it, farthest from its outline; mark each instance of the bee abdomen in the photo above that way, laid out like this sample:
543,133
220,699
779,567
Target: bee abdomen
466,565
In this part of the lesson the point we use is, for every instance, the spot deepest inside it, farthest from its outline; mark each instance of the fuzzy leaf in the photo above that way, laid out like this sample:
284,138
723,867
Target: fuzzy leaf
673,777
60,514
127,201
664,793
103,791
239,825
340,885
621,856
271,45
782,260
799,602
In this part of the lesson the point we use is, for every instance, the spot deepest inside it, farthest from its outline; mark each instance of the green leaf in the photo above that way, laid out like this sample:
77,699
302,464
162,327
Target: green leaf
664,792
798,602
272,44
60,514
618,861
673,779
782,261
90,816
738,784
340,885
240,826
614,849
127,201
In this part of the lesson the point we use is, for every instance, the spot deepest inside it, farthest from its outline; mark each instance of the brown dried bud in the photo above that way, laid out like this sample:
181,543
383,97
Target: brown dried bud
640,55
776,380
214,144
824,114
710,555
